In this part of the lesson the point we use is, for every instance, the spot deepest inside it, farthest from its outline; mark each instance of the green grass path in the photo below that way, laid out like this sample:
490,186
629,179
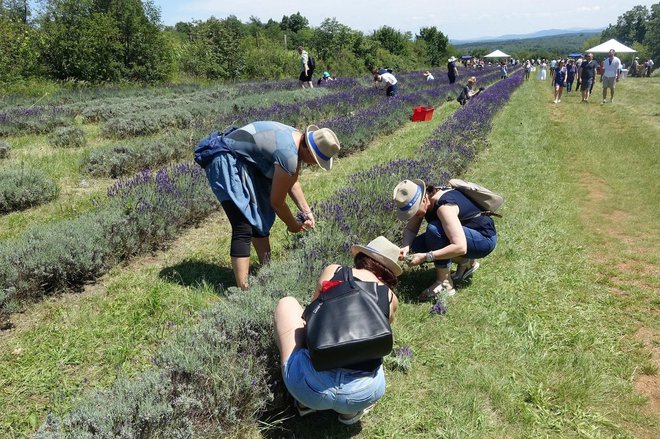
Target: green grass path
559,332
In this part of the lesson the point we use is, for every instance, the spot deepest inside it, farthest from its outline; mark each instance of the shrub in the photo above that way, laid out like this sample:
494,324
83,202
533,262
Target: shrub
24,188
68,137
4,150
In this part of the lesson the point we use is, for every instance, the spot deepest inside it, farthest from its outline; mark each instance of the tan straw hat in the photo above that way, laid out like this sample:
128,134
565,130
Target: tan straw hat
323,144
408,195
383,251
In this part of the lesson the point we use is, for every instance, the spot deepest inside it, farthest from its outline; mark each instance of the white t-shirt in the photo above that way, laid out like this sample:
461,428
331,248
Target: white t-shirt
611,67
388,79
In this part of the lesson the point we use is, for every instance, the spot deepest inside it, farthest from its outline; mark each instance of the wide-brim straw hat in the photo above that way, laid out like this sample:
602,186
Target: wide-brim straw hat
407,197
452,59
381,250
323,144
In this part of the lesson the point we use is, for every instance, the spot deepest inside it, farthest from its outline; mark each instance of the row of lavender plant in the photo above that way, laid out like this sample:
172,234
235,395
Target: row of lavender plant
27,271
221,375
356,113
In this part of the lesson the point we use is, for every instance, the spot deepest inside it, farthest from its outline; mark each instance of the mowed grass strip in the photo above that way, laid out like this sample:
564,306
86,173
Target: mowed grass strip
539,344
75,342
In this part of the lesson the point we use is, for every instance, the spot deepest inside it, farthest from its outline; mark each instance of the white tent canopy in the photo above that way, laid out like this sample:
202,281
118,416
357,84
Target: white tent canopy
498,54
611,44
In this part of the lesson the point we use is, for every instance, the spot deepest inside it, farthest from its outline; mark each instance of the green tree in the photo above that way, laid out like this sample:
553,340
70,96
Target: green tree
630,26
392,40
215,50
652,37
294,23
20,48
436,44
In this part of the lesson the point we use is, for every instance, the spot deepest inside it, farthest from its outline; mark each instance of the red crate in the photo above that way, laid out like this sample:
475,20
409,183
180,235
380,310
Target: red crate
422,114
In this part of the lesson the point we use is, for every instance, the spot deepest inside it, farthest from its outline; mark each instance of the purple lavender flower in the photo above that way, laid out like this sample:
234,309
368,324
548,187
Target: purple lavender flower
439,308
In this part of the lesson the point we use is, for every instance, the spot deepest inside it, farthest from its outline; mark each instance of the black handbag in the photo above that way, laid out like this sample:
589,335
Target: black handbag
346,325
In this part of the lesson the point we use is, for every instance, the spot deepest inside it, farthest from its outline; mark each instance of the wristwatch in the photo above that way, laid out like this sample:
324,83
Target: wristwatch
429,257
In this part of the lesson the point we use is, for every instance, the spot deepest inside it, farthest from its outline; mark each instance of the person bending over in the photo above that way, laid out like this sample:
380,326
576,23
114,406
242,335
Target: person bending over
353,389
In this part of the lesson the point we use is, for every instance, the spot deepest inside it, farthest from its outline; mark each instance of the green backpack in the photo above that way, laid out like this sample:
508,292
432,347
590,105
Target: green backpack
487,200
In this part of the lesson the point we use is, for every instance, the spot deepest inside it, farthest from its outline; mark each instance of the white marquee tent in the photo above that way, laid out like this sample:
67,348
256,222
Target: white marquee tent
611,44
498,54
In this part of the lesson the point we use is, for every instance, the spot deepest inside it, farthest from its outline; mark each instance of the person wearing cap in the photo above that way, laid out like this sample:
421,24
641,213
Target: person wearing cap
610,74
452,70
251,175
354,388
324,78
389,81
457,231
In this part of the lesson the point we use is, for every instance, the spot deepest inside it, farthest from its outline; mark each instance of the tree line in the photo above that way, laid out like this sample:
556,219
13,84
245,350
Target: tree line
123,40
114,41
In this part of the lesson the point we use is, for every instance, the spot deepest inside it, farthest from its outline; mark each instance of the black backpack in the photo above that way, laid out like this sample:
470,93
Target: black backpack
346,325
311,64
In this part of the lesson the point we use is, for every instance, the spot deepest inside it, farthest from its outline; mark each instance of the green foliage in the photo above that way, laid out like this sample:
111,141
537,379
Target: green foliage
213,51
294,23
25,188
19,50
436,45
68,137
392,40
5,149
630,27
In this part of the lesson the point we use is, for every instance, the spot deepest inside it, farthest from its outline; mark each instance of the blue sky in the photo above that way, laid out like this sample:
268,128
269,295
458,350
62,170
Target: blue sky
457,19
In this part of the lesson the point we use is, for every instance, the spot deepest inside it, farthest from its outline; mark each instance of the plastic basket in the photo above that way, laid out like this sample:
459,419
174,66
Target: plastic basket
422,114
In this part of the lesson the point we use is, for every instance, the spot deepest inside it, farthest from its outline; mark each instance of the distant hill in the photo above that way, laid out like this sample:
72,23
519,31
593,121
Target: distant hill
538,34
543,43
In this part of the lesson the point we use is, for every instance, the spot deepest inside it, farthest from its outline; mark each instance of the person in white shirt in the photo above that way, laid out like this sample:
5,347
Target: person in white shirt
610,76
389,82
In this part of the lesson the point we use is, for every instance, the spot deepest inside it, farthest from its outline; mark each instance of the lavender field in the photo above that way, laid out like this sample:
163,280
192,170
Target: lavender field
143,211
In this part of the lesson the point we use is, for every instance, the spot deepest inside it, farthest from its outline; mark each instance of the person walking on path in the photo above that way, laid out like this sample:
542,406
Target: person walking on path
559,80
610,75
587,74
571,71
648,67
353,389
251,171
542,70
306,72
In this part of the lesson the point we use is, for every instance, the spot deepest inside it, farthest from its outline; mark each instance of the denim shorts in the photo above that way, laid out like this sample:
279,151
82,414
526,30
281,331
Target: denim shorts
478,245
345,391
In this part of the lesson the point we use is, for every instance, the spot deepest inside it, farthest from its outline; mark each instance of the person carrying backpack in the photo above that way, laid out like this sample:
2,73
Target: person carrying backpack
458,230
307,66
352,388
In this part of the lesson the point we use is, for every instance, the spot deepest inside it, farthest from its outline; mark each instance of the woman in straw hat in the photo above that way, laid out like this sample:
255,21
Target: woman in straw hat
251,171
456,231
354,388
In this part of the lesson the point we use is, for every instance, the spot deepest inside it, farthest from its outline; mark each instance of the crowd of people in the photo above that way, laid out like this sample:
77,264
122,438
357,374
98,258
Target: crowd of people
583,72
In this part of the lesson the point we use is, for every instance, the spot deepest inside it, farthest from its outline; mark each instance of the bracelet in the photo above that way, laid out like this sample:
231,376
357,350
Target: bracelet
429,257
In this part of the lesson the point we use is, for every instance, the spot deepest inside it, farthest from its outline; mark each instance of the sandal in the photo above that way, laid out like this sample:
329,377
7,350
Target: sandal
302,410
355,417
466,274
437,289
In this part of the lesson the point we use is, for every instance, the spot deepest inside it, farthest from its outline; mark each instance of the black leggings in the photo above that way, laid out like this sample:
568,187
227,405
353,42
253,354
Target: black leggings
241,231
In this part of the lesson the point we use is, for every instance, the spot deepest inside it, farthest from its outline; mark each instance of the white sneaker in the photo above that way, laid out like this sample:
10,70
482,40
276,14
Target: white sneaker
555,101
558,100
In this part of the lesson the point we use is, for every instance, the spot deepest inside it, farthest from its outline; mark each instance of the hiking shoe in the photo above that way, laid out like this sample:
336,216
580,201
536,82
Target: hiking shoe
355,417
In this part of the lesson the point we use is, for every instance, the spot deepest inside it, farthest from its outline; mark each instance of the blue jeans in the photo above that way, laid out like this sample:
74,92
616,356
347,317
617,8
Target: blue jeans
342,390
478,245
